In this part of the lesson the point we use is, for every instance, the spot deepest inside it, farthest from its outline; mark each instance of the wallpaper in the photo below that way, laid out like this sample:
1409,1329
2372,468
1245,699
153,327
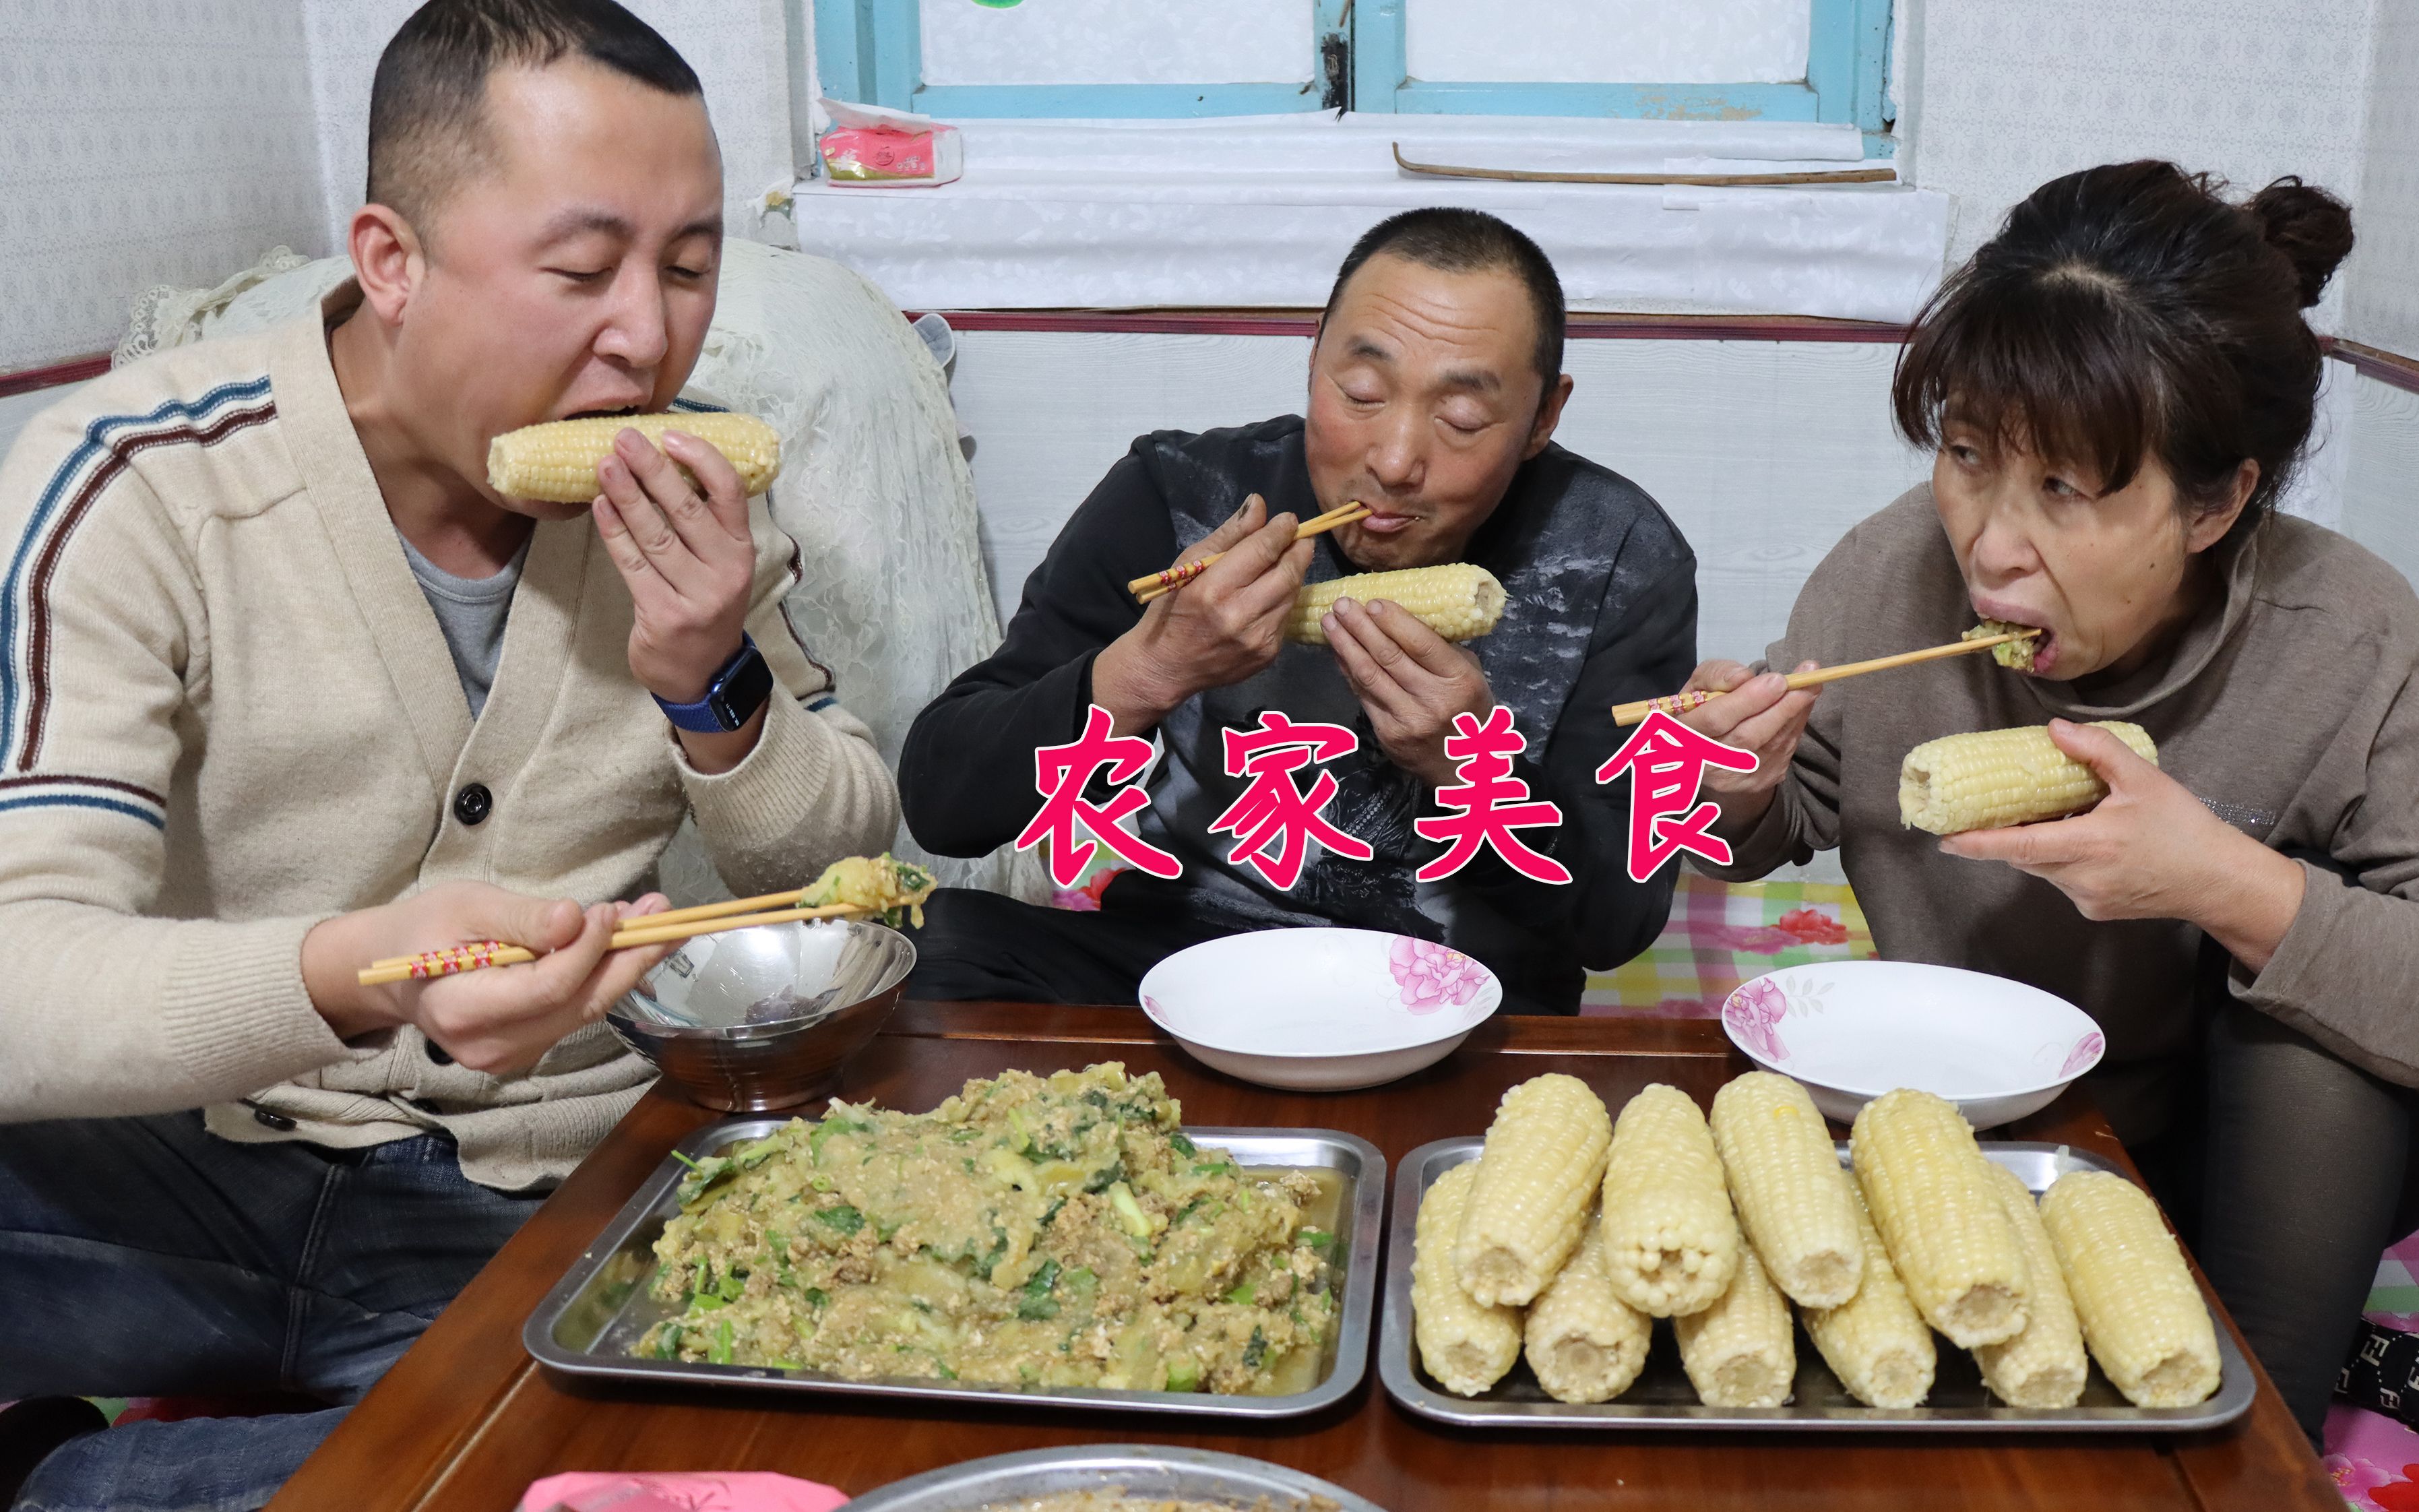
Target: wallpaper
144,142
2383,296
737,48
2008,93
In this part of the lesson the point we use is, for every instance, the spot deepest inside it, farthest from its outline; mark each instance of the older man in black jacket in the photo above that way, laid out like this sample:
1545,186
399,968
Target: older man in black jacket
1435,384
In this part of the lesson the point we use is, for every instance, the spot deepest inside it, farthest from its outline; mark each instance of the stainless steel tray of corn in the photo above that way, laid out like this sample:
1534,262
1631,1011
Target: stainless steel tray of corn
591,1320
1662,1399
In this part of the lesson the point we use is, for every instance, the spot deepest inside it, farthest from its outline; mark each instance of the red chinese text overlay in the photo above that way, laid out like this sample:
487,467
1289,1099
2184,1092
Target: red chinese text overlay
1666,762
1275,821
1060,774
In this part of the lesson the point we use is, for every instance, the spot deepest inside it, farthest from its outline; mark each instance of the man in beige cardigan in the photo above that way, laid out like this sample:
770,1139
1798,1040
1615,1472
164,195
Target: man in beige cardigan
284,687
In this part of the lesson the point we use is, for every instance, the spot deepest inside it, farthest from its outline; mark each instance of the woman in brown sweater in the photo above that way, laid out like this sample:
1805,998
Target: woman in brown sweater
2114,387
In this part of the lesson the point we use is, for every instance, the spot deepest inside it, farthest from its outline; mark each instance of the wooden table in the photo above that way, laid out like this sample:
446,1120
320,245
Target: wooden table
467,1420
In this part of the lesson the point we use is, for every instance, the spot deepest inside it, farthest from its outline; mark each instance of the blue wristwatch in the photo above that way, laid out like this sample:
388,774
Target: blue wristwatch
737,691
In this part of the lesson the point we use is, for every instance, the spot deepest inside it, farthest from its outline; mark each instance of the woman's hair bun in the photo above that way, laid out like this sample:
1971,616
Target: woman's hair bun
2310,226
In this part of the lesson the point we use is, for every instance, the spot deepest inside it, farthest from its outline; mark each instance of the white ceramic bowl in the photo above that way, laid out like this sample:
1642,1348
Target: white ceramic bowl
1852,1030
1319,1009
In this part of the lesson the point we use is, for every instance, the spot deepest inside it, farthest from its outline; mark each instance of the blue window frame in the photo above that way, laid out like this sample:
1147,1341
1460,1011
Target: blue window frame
872,50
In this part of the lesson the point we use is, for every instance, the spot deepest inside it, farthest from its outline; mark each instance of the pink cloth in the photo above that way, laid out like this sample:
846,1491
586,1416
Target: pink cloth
720,1492
2374,1459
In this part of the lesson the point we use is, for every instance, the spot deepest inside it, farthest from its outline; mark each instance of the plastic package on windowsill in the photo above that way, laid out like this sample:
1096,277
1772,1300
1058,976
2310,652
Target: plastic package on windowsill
872,146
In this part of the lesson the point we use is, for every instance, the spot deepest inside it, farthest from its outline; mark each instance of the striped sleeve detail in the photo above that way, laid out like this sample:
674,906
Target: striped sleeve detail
106,793
109,446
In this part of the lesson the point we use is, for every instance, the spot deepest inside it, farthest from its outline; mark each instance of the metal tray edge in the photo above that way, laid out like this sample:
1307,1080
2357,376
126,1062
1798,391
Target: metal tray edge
1363,1281
2234,1396
997,1475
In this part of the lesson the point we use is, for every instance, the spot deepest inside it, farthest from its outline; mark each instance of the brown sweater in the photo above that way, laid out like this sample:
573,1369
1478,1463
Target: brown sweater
2284,708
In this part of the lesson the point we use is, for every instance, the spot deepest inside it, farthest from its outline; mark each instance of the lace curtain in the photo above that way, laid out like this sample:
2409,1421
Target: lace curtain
873,488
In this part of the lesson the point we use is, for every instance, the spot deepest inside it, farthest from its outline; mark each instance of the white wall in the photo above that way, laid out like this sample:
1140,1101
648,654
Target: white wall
737,47
2008,93
2378,489
143,143
2384,274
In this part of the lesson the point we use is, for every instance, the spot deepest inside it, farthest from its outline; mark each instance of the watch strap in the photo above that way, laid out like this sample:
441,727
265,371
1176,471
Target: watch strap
718,712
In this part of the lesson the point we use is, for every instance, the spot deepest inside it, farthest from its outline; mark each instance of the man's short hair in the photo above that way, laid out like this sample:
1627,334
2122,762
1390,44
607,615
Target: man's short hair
428,128
1468,241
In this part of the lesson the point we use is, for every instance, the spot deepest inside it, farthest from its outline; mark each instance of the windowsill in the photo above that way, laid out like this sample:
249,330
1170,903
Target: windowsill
1255,213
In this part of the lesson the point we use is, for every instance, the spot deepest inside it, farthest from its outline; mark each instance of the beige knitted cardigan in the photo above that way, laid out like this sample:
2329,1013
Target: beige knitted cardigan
226,711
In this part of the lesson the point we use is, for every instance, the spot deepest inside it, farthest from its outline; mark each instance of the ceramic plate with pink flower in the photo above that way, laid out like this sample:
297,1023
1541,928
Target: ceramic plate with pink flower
1854,1029
1320,1009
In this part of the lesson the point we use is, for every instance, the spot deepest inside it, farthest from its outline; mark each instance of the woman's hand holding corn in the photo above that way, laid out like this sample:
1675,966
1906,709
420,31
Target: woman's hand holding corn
690,564
2151,850
1411,681
1218,629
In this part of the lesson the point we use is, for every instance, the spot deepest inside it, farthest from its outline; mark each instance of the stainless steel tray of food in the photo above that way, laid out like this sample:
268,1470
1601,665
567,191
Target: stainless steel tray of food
596,1314
1155,1473
1662,1397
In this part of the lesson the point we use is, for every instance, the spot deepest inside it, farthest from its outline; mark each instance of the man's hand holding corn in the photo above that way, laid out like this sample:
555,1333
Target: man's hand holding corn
686,555
1411,681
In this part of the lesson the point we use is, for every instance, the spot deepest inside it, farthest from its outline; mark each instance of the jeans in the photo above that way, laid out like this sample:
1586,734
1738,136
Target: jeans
2287,1181
145,1258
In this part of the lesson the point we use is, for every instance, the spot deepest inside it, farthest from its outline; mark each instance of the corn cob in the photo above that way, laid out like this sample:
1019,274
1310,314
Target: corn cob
1947,1231
1459,601
557,461
1544,1157
2015,654
1584,1343
1878,1344
1670,1240
2044,1366
1795,1202
2133,1295
1466,1345
1992,777
1741,1351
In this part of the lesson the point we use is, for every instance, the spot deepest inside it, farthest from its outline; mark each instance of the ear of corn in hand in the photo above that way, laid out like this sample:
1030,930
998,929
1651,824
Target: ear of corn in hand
2015,654
2133,1296
1876,1343
1459,601
1795,1202
1583,1342
1466,1344
2044,1366
1741,1350
1670,1240
1543,1160
557,461
1993,778
1946,1232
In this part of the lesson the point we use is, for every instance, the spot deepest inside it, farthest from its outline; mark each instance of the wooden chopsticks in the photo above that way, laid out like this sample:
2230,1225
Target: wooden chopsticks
649,929
1160,584
1629,713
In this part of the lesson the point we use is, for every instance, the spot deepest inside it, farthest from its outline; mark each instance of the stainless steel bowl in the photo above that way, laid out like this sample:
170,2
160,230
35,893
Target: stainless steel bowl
766,1017
1144,1470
